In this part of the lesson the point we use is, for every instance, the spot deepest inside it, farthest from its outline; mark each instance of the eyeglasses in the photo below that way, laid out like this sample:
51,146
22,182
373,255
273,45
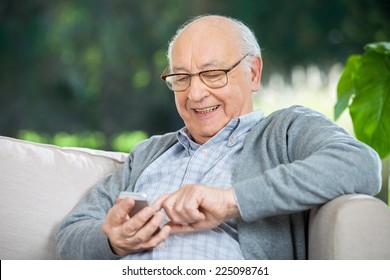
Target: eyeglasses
215,78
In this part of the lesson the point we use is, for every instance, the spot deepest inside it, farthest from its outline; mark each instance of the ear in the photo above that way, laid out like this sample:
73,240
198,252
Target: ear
256,68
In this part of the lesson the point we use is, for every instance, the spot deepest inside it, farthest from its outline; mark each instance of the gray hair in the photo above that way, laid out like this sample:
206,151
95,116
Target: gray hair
246,38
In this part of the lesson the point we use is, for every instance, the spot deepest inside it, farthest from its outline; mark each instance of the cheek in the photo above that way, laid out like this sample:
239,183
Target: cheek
234,102
181,105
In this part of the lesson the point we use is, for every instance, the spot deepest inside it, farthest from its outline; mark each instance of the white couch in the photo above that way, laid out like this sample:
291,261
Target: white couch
40,184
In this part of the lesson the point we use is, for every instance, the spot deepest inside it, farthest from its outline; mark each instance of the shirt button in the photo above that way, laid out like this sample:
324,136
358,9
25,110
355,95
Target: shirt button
231,140
205,152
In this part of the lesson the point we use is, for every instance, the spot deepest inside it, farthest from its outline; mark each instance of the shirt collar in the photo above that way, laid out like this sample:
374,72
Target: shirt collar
231,132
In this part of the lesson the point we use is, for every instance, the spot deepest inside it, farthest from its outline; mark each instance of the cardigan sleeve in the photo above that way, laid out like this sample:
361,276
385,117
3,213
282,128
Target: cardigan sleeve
297,159
80,235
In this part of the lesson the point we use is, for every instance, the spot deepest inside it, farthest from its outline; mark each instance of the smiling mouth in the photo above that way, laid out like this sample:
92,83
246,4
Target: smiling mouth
206,110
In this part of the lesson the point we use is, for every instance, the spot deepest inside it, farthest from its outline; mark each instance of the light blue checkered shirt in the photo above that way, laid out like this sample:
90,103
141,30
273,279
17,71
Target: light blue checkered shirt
210,164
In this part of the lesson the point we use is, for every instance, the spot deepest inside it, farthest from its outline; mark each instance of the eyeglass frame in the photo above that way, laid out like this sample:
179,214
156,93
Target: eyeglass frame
190,75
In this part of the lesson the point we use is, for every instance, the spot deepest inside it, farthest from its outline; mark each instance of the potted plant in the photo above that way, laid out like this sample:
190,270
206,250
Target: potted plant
364,88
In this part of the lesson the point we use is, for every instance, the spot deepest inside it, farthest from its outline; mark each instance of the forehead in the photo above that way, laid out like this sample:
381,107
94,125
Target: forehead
210,42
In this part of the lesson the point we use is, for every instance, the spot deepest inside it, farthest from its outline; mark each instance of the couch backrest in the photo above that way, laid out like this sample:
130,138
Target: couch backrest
39,185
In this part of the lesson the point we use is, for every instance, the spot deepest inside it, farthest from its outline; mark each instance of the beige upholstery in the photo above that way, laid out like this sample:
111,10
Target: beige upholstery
40,184
350,227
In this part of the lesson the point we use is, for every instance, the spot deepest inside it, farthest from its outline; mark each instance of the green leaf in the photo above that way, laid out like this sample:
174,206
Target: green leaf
370,109
345,86
380,47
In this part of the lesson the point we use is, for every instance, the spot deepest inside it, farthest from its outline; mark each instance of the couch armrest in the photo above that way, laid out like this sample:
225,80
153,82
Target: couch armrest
350,227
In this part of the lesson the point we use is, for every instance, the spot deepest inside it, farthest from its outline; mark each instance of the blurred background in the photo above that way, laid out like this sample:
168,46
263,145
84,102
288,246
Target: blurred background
87,73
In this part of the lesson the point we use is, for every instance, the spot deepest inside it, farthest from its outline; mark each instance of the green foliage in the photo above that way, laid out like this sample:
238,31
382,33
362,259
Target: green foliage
33,136
122,142
95,65
125,141
92,140
364,88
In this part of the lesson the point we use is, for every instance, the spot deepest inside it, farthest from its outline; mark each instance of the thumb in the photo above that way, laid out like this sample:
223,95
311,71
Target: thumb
124,207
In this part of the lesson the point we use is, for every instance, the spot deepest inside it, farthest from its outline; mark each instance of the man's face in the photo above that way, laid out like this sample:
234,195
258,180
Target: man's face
206,111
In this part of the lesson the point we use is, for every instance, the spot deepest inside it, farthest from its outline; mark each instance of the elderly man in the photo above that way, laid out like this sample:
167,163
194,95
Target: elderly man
232,184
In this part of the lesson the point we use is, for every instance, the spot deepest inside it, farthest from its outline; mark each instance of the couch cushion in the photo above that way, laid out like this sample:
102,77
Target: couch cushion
39,185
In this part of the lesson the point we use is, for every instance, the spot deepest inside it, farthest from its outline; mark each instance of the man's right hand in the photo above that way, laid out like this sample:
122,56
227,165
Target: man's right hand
131,235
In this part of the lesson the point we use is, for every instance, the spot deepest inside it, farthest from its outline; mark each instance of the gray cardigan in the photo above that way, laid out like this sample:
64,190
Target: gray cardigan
292,161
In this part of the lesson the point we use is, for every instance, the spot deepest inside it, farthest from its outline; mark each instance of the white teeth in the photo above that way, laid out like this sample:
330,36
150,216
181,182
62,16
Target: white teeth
206,110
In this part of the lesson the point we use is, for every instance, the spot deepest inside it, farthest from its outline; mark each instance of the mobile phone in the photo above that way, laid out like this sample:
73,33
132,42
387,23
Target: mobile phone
140,201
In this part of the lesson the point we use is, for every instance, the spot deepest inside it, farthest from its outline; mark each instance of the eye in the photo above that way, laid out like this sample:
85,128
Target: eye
180,78
212,76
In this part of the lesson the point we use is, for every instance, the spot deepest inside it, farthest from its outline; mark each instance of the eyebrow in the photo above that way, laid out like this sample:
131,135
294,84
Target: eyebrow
213,63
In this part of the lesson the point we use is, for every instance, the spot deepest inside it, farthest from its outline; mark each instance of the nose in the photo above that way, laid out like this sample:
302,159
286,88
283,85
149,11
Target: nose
197,90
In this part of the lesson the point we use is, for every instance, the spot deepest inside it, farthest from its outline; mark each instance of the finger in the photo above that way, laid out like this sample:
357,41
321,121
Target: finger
158,238
176,207
146,231
135,223
191,213
126,238
187,208
157,204
187,215
125,205
148,237
170,207
119,212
